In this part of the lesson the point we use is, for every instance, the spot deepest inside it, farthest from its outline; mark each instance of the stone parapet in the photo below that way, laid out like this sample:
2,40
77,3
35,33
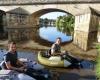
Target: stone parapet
18,2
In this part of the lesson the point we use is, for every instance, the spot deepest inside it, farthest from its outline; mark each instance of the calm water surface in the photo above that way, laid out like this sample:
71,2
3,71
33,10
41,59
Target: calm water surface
32,56
51,33
21,54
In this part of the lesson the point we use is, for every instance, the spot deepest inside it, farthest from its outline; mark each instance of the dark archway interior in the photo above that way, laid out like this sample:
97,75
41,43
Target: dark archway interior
3,34
1,21
44,11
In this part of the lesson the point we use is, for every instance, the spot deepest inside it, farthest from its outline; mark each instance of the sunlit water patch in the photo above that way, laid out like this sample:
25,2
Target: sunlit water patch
51,33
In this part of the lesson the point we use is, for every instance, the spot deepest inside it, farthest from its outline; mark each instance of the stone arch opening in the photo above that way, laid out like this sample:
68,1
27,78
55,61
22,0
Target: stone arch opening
35,16
44,11
82,30
35,21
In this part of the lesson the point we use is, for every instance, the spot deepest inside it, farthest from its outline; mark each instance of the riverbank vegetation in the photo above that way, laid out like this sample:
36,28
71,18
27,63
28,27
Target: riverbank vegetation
65,24
98,63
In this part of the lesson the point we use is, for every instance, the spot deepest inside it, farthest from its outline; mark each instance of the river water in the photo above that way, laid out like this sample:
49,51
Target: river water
87,73
51,33
21,54
33,57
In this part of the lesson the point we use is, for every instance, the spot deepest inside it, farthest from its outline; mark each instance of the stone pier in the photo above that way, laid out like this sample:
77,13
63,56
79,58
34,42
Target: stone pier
86,28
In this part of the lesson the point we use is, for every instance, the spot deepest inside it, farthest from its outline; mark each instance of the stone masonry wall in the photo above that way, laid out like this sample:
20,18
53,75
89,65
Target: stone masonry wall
21,34
81,39
81,31
86,28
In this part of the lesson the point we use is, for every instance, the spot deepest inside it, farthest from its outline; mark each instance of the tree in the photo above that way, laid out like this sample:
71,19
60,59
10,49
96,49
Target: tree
65,24
46,20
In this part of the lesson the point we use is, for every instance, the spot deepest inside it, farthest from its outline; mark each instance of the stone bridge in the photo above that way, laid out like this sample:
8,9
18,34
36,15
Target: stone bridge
21,17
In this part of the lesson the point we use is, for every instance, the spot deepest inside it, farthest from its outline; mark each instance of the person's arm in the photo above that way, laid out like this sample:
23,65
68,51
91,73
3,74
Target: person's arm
52,49
8,65
21,63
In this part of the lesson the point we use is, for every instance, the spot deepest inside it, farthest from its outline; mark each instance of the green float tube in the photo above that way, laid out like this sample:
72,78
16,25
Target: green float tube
53,61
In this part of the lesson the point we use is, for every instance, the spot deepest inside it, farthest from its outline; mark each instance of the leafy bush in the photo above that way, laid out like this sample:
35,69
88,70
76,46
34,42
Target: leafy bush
98,63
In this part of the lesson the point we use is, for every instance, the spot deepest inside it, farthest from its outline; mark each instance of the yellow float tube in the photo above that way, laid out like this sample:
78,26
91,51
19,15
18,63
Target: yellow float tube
53,61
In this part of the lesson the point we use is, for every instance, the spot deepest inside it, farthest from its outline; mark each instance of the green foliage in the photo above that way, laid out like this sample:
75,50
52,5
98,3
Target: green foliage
98,62
46,21
98,48
65,24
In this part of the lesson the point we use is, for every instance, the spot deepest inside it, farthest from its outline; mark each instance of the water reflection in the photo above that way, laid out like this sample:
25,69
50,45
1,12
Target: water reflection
87,64
51,33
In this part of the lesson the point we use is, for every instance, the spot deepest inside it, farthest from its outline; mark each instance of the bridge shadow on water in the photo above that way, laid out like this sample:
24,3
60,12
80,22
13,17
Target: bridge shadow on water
44,42
73,76
85,73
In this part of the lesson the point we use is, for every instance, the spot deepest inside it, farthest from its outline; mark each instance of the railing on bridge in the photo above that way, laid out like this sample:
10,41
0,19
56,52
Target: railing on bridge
17,2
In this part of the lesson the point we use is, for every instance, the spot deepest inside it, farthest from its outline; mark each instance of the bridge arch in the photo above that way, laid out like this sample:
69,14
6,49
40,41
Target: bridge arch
83,19
83,25
44,11
36,15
